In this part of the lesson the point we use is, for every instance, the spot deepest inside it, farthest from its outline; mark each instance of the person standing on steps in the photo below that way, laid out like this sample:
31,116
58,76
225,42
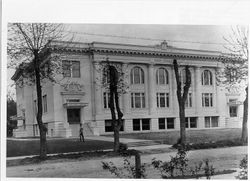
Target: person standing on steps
81,133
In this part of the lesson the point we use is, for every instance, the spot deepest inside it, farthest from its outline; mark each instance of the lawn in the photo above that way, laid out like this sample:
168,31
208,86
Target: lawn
193,136
31,147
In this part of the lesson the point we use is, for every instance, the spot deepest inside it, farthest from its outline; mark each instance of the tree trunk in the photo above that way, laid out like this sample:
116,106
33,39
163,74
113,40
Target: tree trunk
138,171
42,128
182,98
182,123
245,117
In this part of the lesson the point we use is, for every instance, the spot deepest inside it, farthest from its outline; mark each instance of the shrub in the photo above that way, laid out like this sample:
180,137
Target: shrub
243,169
178,167
127,171
217,144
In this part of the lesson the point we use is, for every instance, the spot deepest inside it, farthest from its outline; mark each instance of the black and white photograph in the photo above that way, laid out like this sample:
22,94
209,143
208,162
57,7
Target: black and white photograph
124,99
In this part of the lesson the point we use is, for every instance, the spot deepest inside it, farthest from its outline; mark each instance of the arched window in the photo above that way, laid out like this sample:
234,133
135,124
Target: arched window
183,76
206,78
162,76
137,76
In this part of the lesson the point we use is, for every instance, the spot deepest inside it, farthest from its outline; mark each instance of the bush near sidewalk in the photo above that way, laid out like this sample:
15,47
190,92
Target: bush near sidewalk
213,144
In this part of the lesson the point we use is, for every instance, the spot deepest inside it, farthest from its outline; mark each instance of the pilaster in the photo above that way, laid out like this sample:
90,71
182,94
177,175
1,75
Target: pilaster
97,89
151,90
197,91
126,108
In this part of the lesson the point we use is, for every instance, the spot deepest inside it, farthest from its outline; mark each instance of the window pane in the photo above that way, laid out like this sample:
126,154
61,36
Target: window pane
162,100
161,76
143,100
186,121
207,122
66,68
142,76
207,100
206,78
136,124
167,100
170,123
137,100
145,124
233,111
75,68
108,126
211,100
211,78
214,121
136,75
190,99
104,100
161,122
44,103
132,100
193,122
157,99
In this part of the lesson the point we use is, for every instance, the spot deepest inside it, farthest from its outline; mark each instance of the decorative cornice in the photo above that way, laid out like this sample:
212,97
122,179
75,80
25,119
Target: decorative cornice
136,50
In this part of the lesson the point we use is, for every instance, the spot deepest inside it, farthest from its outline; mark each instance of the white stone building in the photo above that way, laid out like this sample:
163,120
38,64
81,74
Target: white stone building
150,105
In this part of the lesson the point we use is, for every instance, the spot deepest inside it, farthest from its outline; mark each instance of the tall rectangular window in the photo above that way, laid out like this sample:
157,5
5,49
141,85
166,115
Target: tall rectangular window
233,111
44,103
207,100
145,124
75,69
170,123
106,101
136,124
71,68
188,102
66,68
161,123
162,100
137,100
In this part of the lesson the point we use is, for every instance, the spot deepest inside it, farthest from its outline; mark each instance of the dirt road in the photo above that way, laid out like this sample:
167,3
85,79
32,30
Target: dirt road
221,158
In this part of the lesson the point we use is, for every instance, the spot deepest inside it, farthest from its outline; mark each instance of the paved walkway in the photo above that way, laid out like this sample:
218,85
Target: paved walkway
101,138
221,158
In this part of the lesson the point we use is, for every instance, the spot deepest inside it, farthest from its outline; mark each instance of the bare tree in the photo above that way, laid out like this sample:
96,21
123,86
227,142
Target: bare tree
27,44
235,68
182,93
113,81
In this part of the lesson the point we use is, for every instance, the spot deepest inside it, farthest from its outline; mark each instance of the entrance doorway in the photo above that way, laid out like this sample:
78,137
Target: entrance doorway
74,116
74,120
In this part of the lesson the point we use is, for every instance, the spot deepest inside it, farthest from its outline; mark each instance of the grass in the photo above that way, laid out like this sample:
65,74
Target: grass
31,147
193,136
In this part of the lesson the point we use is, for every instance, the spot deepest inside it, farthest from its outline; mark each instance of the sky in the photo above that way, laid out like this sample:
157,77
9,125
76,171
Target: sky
191,33
181,36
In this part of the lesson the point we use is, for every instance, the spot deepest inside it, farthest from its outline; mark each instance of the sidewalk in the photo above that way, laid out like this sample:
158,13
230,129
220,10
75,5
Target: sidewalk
101,138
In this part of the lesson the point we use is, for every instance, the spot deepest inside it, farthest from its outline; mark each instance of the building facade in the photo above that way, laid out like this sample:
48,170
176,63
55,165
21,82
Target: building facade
150,103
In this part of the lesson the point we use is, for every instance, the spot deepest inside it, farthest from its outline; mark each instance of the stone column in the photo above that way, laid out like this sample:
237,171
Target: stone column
125,97
197,95
151,90
97,89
